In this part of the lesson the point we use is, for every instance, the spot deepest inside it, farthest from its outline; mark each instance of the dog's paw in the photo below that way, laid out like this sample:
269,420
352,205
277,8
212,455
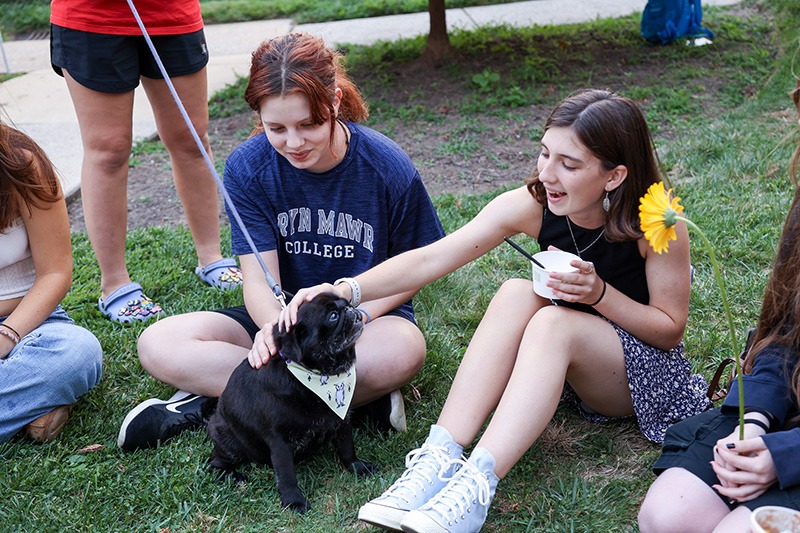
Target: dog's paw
363,468
228,474
300,505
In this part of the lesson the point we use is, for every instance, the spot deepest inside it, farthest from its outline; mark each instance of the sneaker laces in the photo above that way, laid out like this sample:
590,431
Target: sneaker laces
466,487
422,465
190,420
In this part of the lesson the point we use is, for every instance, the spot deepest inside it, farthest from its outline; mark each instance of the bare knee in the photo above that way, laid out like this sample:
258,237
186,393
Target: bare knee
654,519
181,145
153,348
390,353
678,501
514,288
413,351
109,154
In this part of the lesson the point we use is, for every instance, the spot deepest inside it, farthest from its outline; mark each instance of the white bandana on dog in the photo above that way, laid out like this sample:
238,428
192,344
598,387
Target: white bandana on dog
336,391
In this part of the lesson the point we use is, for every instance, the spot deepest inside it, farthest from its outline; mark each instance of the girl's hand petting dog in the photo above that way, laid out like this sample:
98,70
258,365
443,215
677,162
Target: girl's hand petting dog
263,346
288,317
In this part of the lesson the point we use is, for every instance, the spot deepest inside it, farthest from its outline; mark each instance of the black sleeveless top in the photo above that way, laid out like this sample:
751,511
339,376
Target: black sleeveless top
618,263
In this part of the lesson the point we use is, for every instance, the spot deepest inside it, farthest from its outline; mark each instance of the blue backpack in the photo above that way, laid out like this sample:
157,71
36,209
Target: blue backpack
664,21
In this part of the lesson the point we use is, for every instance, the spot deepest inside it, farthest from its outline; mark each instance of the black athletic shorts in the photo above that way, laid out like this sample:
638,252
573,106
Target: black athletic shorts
689,444
240,315
114,63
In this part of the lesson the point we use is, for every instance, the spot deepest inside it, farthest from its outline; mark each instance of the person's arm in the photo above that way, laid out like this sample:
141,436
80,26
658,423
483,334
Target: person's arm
260,302
51,249
510,213
767,385
661,322
785,449
258,296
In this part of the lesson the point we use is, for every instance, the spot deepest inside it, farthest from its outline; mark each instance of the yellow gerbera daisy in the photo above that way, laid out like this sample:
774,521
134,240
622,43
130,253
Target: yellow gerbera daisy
657,216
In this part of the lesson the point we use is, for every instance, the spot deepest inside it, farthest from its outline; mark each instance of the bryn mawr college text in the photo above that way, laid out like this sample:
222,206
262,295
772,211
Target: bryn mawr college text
343,226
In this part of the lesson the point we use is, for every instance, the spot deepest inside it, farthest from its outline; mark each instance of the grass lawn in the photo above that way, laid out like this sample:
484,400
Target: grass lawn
730,169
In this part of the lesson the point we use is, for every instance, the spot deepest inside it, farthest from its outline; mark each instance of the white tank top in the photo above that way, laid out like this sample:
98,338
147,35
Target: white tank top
17,272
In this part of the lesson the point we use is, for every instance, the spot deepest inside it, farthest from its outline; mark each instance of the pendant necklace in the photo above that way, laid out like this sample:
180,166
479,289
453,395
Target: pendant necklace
571,234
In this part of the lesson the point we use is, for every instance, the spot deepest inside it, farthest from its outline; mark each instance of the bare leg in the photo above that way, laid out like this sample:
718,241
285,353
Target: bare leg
105,124
737,521
390,353
522,374
558,344
193,180
196,352
485,370
679,501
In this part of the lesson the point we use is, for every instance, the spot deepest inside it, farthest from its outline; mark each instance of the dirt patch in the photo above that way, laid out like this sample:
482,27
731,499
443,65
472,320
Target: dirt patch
494,142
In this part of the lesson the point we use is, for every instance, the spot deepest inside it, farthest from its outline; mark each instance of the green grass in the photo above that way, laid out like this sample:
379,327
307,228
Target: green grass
730,169
6,77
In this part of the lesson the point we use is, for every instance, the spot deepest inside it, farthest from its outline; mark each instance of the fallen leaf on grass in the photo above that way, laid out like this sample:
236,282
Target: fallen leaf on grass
91,448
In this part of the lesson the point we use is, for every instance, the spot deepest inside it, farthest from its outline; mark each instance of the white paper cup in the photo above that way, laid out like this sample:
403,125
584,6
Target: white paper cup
553,261
775,519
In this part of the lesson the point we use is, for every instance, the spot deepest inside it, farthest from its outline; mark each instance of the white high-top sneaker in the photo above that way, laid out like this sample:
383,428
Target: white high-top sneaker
462,505
427,470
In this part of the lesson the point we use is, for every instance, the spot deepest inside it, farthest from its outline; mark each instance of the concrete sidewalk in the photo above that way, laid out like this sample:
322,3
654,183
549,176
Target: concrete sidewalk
39,103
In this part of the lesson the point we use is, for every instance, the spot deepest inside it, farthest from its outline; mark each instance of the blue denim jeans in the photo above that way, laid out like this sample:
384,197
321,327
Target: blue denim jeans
52,365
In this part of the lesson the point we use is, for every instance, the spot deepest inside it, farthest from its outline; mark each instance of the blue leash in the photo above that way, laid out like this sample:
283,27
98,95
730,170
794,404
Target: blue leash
276,290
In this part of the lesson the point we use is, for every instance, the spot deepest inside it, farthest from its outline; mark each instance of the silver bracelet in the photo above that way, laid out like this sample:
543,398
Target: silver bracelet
355,290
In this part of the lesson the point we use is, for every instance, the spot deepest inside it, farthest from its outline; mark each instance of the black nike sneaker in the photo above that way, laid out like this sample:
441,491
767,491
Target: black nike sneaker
154,420
386,414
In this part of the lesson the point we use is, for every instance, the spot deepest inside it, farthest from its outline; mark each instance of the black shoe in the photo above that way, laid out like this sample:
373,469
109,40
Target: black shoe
155,420
387,413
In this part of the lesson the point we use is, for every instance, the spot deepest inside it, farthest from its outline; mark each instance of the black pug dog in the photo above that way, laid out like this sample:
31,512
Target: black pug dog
268,416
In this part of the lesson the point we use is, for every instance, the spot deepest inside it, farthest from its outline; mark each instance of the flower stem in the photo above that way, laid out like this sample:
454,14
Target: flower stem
731,328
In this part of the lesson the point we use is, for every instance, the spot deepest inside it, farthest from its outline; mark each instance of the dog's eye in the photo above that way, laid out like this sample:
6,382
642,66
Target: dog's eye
334,316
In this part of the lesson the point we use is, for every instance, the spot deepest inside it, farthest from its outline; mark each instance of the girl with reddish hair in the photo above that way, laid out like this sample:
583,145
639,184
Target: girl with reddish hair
612,332
323,197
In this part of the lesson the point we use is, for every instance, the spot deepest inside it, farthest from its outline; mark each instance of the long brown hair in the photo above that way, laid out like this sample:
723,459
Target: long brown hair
27,178
614,129
795,94
301,63
779,321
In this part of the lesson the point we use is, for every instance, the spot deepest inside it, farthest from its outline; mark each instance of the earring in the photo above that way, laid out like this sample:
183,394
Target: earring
606,203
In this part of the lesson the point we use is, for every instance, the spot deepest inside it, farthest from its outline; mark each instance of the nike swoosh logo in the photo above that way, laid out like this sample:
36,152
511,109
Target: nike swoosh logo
173,407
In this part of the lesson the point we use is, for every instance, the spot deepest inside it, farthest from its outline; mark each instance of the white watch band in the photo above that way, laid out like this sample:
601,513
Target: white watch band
355,290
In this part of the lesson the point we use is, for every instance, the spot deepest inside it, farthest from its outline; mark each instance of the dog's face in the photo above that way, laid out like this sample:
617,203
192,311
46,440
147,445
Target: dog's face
324,336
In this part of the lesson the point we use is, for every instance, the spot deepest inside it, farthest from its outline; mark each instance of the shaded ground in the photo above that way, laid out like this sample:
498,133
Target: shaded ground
465,139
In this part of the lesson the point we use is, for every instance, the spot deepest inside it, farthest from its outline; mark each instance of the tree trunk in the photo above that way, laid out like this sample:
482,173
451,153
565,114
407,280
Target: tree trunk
439,46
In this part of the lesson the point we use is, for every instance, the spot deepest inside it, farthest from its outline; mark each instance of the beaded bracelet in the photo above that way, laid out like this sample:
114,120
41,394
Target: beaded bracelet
757,422
15,332
10,334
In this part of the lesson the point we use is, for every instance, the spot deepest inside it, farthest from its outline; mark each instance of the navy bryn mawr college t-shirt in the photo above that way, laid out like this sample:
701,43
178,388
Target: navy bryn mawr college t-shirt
371,206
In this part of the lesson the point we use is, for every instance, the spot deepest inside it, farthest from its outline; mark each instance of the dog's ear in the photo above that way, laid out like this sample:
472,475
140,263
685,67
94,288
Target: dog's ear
307,338
293,343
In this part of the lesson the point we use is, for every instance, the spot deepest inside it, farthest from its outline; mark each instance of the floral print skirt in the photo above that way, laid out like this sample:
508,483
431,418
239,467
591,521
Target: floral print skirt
663,389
